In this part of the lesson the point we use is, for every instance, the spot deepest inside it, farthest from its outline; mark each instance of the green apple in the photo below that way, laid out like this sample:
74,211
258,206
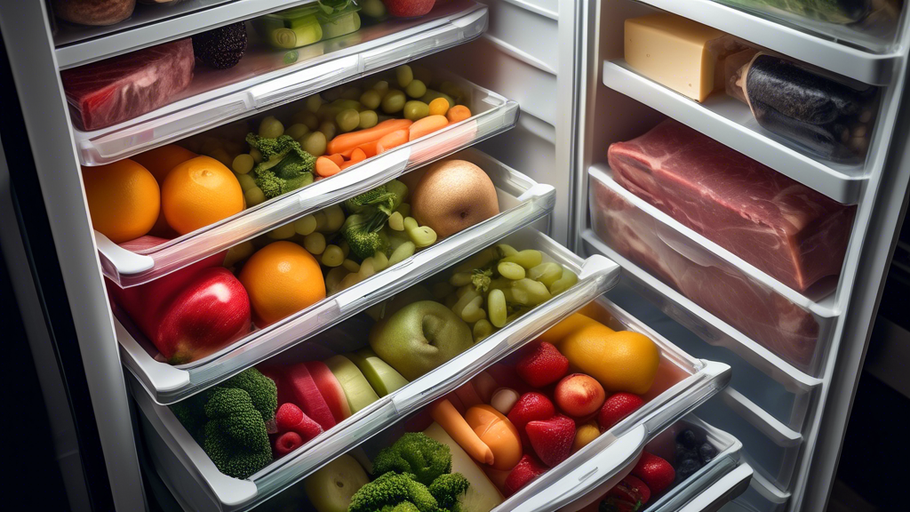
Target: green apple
379,374
482,495
330,488
419,337
356,388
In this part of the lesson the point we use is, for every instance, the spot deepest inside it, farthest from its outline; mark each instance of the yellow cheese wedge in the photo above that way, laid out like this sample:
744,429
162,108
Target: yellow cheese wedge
678,53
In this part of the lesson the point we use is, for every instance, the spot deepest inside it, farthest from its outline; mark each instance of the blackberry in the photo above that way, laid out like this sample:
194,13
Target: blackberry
706,453
221,48
686,468
687,438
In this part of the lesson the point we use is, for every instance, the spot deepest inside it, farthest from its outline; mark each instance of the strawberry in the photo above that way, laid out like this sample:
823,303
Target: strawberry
657,473
286,443
629,495
527,469
542,364
552,439
530,407
291,418
617,407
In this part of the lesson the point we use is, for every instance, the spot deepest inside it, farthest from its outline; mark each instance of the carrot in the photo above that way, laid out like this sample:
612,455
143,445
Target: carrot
338,159
358,155
348,164
444,413
497,433
351,140
326,167
426,126
439,106
392,140
458,113
369,149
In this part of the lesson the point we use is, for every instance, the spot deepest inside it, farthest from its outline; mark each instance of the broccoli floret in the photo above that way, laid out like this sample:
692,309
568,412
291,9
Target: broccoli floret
228,420
418,454
393,490
368,213
448,490
285,165
406,506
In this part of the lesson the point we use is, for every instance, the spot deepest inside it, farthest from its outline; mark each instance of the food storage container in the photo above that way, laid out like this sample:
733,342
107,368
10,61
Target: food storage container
341,22
292,28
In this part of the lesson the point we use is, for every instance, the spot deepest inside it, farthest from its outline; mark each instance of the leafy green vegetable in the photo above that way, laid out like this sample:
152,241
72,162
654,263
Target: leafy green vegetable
285,165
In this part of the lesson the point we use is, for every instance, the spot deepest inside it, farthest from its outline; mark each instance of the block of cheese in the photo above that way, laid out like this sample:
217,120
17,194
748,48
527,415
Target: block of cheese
678,53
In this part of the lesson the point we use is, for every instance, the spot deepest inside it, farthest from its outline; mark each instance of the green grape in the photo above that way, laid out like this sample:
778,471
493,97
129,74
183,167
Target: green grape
320,219
282,232
460,279
396,238
334,218
547,273
505,250
465,299
314,243
257,155
311,120
346,104
410,223
222,156
296,130
381,87
496,308
424,236
347,120
393,102
404,209
464,289
368,119
415,110
254,196
416,89
315,143
313,103
328,112
238,253
478,260
351,93
441,290
396,221
350,265
451,89
345,248
333,279
565,282
528,258
404,75
271,128
432,95
329,129
403,252
509,270
371,99
536,292
243,163
380,261
246,181
482,330
332,256
500,283
305,225
473,312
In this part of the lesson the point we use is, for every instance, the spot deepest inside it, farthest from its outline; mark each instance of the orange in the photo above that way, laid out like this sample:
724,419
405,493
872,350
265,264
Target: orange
159,162
567,326
619,360
281,278
199,192
123,199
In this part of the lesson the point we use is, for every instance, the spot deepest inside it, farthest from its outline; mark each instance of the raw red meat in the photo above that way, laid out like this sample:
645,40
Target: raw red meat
758,312
120,88
789,231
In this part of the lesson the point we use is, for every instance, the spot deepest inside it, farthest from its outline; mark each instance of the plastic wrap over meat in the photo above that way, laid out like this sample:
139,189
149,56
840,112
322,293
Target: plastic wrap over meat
752,308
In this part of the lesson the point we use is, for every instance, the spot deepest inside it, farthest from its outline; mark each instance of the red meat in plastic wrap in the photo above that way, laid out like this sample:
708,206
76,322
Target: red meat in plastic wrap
105,93
786,229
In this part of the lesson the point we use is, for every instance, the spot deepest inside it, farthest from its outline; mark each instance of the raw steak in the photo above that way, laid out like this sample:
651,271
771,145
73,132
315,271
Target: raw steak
755,310
789,231
114,90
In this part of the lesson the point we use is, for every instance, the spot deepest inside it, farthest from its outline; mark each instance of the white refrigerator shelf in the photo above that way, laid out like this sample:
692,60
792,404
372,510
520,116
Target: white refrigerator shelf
264,79
707,326
730,122
198,485
844,59
493,114
522,202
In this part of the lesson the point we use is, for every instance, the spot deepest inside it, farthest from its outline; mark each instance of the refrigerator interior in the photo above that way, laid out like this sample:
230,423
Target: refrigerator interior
561,62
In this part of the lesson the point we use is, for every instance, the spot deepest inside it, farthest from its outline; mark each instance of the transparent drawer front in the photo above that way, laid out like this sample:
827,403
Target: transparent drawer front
492,114
266,77
521,200
717,482
792,326
190,474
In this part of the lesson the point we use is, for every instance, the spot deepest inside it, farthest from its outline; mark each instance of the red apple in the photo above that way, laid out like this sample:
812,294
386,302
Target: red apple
408,8
212,310
579,395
